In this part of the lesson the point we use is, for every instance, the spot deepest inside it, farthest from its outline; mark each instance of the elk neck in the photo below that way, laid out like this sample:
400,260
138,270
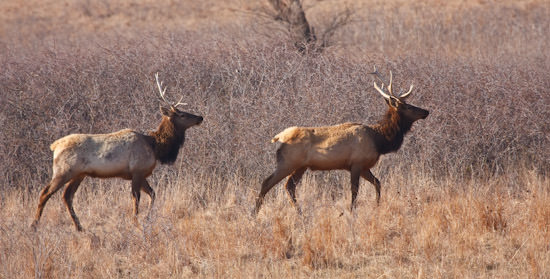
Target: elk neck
390,131
167,141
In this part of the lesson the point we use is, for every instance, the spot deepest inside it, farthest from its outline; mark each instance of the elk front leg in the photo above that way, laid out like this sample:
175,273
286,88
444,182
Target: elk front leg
149,191
355,174
370,178
136,194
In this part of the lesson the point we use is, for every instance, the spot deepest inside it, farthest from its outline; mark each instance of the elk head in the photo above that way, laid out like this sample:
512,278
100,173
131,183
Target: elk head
397,103
180,118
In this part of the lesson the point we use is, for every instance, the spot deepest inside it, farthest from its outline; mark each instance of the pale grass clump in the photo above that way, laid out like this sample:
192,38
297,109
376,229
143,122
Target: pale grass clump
420,231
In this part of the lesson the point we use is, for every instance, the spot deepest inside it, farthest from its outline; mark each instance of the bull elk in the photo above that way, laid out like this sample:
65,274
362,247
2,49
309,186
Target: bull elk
127,154
350,146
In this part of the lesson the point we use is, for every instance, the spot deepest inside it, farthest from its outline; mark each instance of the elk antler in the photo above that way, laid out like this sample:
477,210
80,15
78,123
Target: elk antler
382,91
162,92
378,75
405,95
389,87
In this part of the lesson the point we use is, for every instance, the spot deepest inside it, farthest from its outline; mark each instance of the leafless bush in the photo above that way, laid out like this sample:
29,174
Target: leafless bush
488,116
488,111
287,19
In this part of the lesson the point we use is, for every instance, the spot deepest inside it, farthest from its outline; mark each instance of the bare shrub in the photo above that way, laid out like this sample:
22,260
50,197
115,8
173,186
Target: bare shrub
287,20
249,95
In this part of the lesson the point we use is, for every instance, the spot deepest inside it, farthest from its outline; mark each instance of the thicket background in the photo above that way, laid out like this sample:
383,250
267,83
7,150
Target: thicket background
480,67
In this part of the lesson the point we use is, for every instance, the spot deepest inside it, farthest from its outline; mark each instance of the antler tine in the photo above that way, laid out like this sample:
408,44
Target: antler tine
180,103
381,91
377,74
405,95
389,85
161,90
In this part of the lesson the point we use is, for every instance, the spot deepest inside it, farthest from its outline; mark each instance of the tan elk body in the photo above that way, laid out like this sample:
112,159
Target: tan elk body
329,147
118,154
350,146
127,154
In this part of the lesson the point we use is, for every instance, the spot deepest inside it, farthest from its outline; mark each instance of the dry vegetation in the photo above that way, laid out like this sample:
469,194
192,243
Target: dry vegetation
467,196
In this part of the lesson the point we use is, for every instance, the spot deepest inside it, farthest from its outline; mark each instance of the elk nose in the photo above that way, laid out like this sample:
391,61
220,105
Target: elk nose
200,119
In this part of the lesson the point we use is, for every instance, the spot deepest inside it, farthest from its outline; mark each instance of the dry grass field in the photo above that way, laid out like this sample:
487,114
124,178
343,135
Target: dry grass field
466,196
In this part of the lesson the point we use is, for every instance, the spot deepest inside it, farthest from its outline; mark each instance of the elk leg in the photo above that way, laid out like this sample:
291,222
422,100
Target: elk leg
291,187
136,194
355,174
370,178
50,189
268,183
149,191
68,198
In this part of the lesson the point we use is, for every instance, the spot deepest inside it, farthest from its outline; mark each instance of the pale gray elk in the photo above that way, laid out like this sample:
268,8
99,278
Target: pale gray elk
127,154
350,146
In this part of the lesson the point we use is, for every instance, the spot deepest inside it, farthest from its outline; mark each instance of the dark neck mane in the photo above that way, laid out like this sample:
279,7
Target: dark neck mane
390,131
167,141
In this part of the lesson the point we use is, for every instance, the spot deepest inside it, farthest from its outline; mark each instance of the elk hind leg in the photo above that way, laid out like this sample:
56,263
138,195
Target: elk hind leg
367,175
291,187
268,183
55,184
68,198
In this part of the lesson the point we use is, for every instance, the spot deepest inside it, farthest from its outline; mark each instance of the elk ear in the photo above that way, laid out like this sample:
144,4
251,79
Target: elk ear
166,111
396,103
392,102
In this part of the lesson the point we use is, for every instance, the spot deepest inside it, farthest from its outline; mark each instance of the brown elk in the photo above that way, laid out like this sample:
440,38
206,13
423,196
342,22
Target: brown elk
350,146
127,154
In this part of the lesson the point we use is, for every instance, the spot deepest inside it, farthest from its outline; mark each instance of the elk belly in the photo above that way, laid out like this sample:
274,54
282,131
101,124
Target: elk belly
110,159
108,166
329,159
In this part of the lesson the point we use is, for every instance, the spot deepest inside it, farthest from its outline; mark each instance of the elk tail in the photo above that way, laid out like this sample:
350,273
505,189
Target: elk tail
54,145
287,135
